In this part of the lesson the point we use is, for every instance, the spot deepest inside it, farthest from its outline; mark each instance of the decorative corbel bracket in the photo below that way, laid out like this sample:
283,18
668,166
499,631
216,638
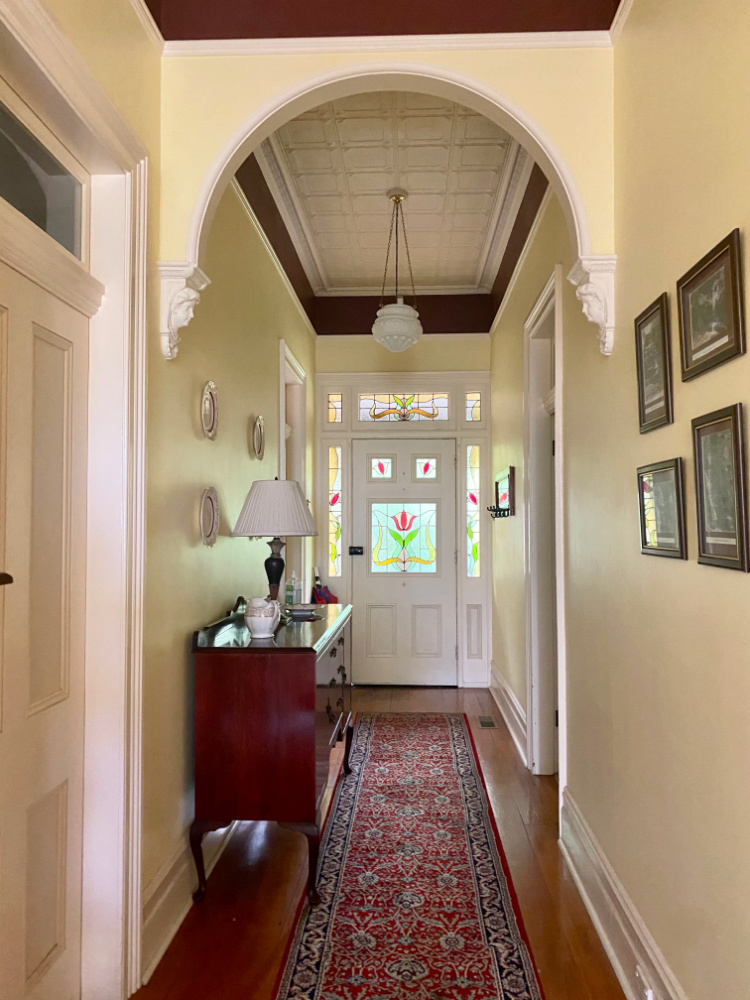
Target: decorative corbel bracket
594,278
181,285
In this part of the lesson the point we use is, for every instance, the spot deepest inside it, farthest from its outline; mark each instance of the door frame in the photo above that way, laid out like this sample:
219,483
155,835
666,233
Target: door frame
474,617
45,69
291,372
539,666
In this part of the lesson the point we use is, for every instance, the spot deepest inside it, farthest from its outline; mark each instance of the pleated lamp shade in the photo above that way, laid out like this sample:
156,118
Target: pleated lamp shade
275,508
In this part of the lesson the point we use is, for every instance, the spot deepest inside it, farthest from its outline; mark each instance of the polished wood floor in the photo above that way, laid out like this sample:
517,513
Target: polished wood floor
231,946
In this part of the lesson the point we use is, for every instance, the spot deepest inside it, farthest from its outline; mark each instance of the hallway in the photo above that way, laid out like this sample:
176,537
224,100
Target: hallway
233,944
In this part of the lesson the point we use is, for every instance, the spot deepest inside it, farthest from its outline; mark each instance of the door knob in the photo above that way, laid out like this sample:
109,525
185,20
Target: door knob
5,578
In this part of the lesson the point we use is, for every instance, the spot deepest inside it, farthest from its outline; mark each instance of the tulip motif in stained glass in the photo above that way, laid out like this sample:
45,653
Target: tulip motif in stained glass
334,511
473,479
403,537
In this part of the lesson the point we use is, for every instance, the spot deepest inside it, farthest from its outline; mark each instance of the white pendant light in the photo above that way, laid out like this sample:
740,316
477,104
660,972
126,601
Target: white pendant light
397,325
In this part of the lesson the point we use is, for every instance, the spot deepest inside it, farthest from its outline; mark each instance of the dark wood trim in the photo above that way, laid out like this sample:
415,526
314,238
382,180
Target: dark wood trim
527,213
336,315
193,19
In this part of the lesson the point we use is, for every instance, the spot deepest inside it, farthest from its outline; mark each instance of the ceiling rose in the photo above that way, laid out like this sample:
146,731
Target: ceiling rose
397,325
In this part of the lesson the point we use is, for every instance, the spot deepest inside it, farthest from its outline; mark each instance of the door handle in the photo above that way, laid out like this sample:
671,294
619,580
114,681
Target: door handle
5,579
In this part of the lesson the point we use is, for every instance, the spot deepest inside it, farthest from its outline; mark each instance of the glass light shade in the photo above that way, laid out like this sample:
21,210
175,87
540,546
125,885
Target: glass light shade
275,508
397,326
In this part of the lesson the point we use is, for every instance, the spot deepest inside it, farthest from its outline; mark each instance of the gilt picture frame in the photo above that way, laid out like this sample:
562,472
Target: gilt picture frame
661,502
711,309
721,488
653,354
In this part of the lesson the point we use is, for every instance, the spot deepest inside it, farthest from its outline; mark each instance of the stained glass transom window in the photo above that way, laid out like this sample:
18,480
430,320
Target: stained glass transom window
473,406
334,511
334,407
387,407
425,468
473,480
381,468
403,537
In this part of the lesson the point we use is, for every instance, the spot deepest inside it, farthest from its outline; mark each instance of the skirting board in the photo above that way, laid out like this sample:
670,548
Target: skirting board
635,956
169,896
511,710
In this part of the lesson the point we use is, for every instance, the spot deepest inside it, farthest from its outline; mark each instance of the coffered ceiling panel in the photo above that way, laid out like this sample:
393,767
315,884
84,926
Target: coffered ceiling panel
329,171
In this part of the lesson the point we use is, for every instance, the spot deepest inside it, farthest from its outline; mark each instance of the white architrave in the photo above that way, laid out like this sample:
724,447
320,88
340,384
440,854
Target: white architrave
43,66
594,278
181,285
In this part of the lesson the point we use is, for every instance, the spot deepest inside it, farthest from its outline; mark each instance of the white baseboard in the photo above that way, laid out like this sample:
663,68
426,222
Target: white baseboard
169,895
511,710
635,956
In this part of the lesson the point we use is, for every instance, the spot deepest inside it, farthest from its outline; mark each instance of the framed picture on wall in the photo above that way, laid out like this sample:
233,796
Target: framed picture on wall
720,487
661,500
654,359
505,492
711,309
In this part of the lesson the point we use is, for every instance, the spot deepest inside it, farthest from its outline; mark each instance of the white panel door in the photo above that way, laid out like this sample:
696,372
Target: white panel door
43,416
404,583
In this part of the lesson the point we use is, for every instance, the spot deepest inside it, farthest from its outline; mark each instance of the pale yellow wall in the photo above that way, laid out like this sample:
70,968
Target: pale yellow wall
568,92
461,352
659,650
550,246
234,340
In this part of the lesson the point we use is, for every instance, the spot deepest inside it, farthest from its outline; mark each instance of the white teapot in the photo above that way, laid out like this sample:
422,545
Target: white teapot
262,617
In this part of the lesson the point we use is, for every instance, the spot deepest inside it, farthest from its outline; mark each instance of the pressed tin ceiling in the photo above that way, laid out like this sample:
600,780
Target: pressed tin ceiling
197,19
329,170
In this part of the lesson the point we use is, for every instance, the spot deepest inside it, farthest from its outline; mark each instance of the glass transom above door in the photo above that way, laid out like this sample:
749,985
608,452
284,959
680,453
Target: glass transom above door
403,537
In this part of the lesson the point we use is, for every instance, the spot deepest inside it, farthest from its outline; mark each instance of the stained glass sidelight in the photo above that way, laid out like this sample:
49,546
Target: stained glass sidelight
473,406
472,510
334,510
381,468
334,407
403,537
388,407
425,468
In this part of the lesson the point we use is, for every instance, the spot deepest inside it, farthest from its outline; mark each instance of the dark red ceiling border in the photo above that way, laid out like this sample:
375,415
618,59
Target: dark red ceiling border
354,314
197,19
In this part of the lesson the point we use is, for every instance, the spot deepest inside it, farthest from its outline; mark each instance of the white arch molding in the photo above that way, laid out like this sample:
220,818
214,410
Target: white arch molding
590,271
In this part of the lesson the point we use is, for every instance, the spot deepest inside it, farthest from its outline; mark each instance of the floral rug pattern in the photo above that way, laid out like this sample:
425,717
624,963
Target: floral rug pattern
415,904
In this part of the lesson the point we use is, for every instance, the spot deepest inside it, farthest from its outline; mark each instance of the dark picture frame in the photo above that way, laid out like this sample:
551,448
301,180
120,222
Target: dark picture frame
661,504
721,488
711,309
505,491
653,353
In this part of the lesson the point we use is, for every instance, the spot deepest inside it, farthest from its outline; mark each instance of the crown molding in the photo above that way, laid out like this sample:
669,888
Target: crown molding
390,43
235,186
509,198
542,211
420,290
148,23
619,21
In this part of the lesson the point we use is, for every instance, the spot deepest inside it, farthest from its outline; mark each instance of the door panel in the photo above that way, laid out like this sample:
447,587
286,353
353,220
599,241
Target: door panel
404,586
43,500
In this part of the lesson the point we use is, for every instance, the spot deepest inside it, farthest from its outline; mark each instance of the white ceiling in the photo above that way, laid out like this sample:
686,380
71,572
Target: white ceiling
329,170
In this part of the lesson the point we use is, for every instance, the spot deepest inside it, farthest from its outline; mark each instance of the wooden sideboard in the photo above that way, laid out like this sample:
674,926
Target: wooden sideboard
268,713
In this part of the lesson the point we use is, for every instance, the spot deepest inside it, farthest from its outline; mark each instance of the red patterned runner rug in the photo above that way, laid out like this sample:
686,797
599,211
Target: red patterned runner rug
416,899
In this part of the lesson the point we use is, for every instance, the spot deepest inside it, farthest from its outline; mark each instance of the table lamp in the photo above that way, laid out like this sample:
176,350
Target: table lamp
275,507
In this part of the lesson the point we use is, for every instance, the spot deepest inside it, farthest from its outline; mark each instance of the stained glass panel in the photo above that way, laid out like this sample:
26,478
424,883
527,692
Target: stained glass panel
334,511
381,468
473,406
425,468
334,407
473,480
387,407
403,537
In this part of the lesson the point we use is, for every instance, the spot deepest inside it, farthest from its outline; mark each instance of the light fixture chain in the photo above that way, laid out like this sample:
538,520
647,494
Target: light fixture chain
408,259
388,252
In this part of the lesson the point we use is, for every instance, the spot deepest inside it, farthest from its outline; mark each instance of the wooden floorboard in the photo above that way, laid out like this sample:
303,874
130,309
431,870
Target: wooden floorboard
232,944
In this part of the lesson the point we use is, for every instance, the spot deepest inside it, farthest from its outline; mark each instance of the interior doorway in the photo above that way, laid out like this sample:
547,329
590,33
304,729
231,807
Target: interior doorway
293,452
404,580
541,364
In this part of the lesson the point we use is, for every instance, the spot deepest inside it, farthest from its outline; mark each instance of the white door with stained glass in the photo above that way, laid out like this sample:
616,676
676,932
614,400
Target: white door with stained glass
404,583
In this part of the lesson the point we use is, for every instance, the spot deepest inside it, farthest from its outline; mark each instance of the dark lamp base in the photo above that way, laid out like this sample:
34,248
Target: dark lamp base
274,567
